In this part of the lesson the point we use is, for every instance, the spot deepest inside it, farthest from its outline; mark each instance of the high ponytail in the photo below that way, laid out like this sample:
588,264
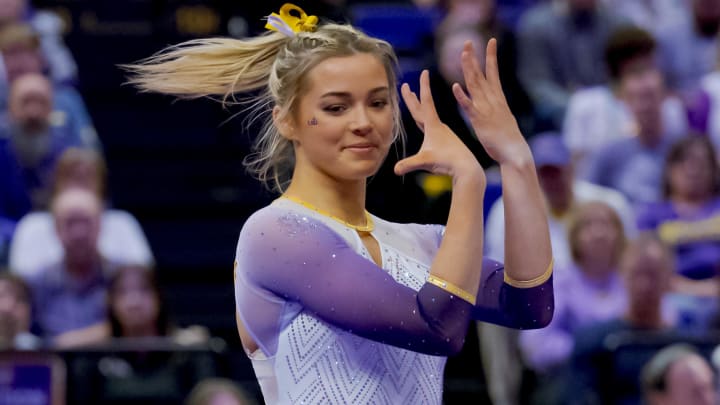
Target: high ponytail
209,67
273,63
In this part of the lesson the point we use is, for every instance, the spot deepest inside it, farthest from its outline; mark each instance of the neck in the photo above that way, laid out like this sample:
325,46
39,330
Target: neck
595,271
650,133
690,202
560,206
140,331
345,200
648,317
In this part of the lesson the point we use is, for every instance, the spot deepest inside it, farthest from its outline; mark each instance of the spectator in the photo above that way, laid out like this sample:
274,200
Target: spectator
646,267
20,46
157,368
599,115
217,391
589,291
678,375
135,310
15,314
35,244
562,192
71,293
477,20
560,44
633,165
687,221
688,49
36,139
50,27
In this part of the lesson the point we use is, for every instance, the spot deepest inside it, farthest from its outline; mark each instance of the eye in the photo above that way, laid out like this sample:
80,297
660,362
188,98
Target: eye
380,103
335,108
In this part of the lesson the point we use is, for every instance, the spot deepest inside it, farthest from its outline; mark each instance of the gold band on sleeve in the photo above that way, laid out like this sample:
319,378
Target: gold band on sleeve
531,283
452,289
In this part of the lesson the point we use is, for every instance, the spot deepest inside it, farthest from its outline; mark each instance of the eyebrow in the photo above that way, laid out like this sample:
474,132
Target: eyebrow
345,94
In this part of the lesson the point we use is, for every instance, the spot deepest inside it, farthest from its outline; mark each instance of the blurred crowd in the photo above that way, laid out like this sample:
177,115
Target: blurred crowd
619,100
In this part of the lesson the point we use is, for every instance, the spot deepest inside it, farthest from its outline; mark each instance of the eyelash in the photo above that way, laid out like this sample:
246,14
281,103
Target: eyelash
339,108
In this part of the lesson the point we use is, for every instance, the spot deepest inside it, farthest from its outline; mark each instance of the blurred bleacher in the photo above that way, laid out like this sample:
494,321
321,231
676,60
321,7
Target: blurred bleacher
174,165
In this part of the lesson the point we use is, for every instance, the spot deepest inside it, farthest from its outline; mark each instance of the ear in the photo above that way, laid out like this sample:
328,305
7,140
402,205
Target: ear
284,124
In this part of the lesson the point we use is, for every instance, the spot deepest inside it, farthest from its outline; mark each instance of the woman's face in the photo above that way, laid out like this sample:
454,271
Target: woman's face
598,235
82,175
343,125
692,175
134,301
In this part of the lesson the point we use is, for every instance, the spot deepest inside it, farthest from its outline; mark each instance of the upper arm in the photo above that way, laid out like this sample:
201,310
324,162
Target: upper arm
522,308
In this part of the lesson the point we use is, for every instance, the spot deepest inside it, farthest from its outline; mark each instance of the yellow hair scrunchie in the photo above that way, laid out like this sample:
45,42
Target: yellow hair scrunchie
290,24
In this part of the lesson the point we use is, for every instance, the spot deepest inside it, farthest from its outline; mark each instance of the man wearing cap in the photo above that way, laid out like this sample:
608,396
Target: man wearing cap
554,167
553,163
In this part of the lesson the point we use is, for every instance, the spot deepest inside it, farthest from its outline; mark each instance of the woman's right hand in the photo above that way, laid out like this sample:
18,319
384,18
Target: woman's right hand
441,152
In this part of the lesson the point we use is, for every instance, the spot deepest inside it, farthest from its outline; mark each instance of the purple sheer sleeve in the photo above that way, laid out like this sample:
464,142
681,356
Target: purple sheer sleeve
299,260
503,304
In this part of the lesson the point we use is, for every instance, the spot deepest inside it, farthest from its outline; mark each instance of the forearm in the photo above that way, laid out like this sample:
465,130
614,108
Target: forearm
457,258
527,240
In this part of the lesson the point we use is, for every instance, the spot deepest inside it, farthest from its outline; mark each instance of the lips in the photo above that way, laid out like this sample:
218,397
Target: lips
361,146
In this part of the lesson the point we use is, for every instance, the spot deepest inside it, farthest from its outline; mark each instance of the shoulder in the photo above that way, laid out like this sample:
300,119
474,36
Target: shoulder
592,97
653,212
35,221
118,218
587,191
282,224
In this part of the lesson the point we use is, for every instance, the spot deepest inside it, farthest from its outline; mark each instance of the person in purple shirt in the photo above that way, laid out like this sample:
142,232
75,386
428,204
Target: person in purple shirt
688,220
589,291
688,217
335,305
596,375
72,293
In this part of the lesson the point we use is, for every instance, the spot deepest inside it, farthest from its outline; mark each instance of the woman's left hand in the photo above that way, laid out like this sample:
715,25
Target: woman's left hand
486,106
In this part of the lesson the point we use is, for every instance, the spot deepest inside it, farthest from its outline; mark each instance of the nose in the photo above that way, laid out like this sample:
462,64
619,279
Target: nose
361,124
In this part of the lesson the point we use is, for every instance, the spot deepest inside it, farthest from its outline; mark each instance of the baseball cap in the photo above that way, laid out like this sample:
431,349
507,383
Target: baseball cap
549,149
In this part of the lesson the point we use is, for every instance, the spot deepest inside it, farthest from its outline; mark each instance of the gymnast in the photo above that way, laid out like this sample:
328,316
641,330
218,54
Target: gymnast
333,304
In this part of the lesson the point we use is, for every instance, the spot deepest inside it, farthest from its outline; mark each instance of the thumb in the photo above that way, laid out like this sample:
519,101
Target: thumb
420,161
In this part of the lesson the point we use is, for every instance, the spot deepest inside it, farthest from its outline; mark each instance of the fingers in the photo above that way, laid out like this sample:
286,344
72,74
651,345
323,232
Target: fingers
465,102
426,100
492,71
420,161
413,105
474,78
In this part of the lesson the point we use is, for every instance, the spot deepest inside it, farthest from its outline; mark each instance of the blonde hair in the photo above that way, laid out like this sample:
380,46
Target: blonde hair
577,224
68,163
272,63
